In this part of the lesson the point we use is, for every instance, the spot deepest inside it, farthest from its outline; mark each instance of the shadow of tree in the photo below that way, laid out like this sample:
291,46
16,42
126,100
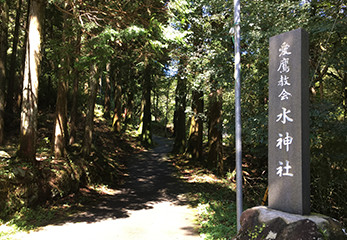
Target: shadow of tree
149,179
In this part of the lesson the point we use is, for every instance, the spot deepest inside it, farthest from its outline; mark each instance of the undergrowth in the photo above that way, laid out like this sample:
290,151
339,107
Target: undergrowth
59,212
214,198
63,179
25,220
217,220
30,218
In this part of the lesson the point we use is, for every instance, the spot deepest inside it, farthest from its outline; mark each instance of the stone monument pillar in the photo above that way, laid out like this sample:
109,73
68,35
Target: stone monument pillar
289,146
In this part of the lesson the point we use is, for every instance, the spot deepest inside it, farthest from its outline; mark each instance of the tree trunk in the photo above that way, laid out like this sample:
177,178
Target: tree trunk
31,81
146,125
215,154
74,107
107,96
196,126
128,111
89,126
11,79
3,56
18,91
180,115
156,111
73,113
117,117
60,126
167,109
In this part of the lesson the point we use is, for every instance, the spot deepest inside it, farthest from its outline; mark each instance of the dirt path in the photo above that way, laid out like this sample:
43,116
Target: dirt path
149,206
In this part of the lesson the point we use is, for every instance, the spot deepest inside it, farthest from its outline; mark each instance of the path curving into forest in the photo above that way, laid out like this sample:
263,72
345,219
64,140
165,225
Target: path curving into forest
149,206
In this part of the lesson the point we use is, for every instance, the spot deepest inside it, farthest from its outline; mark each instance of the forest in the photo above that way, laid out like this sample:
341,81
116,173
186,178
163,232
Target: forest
135,69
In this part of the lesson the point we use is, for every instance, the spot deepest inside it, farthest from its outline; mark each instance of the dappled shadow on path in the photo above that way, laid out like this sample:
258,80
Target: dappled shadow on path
150,179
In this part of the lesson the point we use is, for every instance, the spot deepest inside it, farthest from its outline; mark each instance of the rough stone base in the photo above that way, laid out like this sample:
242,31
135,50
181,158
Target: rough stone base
265,223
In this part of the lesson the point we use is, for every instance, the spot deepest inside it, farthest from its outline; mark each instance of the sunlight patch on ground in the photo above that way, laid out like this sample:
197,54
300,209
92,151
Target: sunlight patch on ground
208,178
104,190
6,231
164,220
195,176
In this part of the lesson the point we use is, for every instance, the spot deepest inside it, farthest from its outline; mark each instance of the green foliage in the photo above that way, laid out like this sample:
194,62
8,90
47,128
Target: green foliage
214,199
28,218
133,32
258,26
328,160
217,220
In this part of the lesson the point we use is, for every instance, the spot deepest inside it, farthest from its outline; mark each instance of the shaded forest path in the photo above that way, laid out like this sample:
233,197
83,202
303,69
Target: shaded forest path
150,205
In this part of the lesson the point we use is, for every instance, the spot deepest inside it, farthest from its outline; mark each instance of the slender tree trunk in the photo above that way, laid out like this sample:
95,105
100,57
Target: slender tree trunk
3,56
167,109
11,79
73,113
89,126
146,124
107,98
19,88
196,126
215,154
60,126
128,112
156,111
117,117
31,81
180,115
74,107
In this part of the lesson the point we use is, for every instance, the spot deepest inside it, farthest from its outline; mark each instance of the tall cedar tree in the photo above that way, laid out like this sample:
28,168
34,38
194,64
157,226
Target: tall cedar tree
196,126
215,153
60,124
3,56
11,78
117,117
89,124
33,57
75,74
146,128
107,91
180,115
